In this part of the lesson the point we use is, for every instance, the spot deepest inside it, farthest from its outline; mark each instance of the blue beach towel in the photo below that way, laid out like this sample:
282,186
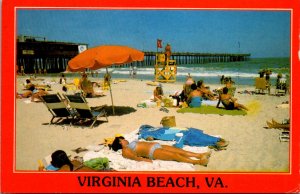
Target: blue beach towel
191,136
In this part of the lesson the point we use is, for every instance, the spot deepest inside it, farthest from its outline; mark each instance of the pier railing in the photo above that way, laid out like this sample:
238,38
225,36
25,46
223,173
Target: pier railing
198,58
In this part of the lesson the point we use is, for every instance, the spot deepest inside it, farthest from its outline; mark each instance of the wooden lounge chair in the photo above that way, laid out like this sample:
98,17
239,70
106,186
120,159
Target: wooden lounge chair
261,85
57,107
79,104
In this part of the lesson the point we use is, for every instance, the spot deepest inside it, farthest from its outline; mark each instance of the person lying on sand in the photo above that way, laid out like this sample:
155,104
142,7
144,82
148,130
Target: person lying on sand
26,94
276,125
61,162
229,102
148,151
32,92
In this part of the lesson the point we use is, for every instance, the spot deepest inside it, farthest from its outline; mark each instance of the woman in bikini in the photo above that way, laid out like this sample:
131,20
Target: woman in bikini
148,151
229,102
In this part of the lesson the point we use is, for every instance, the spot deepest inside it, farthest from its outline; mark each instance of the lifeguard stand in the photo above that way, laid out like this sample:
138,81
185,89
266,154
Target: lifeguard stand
165,69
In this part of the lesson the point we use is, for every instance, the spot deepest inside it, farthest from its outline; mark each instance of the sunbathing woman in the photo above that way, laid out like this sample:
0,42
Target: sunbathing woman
32,92
148,151
229,102
276,125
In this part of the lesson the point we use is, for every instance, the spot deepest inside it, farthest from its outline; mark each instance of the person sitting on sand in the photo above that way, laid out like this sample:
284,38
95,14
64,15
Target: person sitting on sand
62,79
207,94
158,93
187,88
87,87
229,102
195,97
276,125
231,89
148,151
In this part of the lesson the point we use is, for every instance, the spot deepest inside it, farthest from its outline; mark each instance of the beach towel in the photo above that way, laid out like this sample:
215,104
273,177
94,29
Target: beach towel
191,136
210,102
211,110
119,163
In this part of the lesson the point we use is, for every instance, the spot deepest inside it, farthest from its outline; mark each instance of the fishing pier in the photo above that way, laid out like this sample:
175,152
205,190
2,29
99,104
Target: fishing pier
37,55
197,58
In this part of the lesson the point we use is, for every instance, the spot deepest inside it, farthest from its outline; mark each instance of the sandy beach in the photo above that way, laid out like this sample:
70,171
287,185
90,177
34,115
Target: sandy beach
252,148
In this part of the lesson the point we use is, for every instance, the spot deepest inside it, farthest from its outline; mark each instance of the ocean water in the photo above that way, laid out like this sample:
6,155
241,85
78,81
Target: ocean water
242,73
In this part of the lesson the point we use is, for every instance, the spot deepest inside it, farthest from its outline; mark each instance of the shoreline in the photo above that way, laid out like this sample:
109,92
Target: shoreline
55,76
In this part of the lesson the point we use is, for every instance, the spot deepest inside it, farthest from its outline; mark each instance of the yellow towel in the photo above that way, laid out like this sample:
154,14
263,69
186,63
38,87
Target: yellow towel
76,82
71,86
109,140
151,83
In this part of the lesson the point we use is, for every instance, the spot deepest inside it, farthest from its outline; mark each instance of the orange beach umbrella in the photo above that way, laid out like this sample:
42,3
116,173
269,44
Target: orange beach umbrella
104,56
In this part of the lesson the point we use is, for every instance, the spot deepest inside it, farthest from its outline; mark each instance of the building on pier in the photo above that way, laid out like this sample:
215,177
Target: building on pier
37,55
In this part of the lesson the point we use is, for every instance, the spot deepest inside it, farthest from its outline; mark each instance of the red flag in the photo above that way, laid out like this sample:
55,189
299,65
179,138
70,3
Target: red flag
159,43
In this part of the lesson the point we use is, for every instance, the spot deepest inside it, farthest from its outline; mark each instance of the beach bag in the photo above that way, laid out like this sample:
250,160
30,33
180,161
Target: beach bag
97,163
168,121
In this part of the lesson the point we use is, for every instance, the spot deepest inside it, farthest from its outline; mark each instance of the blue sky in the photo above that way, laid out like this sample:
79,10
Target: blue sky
260,33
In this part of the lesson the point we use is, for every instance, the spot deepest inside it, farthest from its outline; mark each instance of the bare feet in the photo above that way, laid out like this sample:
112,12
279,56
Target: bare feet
222,143
202,162
205,155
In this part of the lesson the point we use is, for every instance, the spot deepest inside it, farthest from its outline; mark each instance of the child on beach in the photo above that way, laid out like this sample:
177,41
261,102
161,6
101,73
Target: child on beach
62,79
158,93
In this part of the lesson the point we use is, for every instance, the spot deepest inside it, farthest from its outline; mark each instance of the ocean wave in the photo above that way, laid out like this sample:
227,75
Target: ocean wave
150,71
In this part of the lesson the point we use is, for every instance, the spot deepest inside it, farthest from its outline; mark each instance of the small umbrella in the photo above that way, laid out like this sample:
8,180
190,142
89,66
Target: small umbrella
104,56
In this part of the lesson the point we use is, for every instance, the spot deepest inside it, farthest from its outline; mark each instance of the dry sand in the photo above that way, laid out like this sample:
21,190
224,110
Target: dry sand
252,148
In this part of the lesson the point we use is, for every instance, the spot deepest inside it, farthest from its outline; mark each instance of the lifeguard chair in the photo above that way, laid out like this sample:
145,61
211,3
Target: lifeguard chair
165,69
